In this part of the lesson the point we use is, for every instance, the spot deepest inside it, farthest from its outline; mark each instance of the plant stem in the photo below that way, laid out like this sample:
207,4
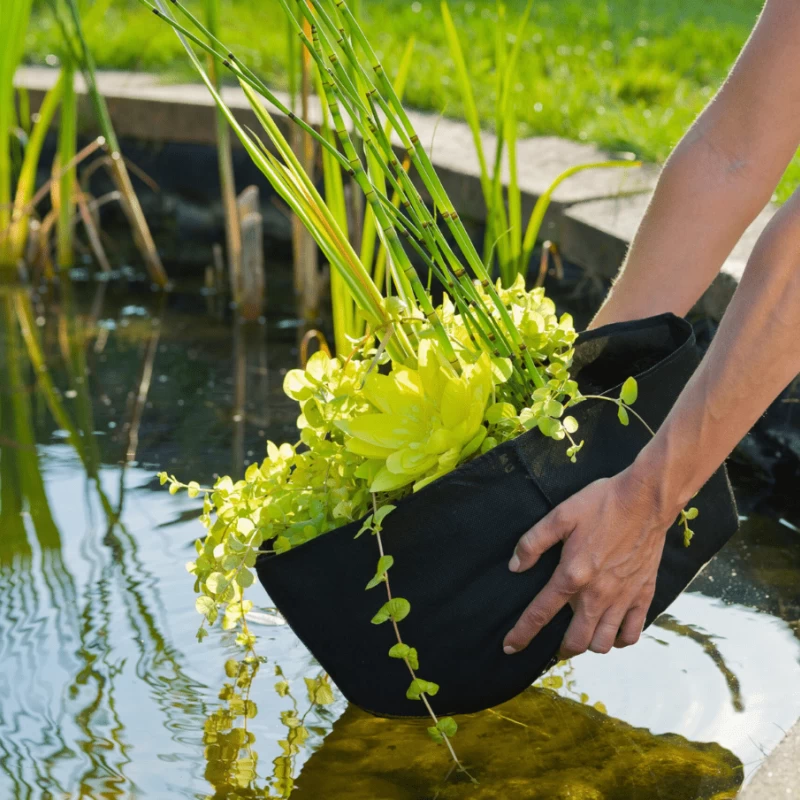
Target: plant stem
233,233
12,38
128,199
540,209
617,403
16,235
67,145
399,638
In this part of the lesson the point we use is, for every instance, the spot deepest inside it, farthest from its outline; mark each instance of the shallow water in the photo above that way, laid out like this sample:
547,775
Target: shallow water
104,691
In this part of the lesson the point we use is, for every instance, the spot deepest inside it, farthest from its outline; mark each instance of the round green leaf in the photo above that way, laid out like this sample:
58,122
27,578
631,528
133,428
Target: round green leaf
629,391
244,578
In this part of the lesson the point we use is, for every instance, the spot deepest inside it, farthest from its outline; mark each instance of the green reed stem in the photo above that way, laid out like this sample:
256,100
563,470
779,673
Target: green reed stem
540,209
233,231
16,235
16,14
128,198
392,106
386,230
67,147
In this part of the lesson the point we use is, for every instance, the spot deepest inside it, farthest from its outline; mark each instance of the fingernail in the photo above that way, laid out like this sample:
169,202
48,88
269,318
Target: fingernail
509,650
513,565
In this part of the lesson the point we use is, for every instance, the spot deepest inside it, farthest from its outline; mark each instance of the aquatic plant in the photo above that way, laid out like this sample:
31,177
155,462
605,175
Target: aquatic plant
12,34
22,140
425,388
233,234
508,241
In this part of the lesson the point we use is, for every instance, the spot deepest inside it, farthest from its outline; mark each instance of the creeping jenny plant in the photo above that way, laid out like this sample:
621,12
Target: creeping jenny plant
425,389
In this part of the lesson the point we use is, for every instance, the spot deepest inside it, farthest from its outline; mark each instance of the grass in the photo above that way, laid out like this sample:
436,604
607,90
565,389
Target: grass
630,75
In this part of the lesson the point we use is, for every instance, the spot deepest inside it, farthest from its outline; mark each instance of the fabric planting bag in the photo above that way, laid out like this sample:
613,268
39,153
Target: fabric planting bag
453,539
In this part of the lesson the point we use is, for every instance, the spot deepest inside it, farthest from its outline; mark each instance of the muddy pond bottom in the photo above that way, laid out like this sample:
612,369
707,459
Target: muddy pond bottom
105,692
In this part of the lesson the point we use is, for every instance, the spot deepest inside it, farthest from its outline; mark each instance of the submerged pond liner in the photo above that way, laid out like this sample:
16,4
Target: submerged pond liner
452,542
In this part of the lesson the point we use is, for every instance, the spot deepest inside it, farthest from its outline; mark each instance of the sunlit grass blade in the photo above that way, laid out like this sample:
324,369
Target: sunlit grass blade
17,232
233,236
468,98
129,200
543,203
67,146
514,195
506,125
16,14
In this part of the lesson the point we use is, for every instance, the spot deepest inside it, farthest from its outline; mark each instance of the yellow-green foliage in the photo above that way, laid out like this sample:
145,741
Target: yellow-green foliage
427,420
372,427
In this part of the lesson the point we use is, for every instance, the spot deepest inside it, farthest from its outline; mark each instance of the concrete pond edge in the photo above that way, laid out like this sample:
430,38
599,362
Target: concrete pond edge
778,778
592,218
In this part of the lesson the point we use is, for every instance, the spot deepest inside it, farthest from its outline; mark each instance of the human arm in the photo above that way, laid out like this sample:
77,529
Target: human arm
718,178
723,172
614,530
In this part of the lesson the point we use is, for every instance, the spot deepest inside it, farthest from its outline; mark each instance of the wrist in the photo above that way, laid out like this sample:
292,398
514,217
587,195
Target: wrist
659,483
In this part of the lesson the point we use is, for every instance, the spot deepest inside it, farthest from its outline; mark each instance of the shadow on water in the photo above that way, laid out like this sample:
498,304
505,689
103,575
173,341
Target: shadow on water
105,693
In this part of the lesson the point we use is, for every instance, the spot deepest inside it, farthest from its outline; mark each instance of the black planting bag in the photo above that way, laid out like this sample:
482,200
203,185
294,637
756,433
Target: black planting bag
452,541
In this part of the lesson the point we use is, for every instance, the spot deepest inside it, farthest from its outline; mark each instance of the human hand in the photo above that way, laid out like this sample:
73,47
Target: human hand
613,532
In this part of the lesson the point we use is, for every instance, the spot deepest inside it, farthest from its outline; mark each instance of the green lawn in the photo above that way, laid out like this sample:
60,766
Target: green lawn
628,74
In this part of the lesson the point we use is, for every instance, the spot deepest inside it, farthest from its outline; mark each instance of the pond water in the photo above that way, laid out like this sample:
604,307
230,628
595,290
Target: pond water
105,693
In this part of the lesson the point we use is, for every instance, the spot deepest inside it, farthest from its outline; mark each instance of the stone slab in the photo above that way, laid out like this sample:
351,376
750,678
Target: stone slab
142,107
593,215
596,235
778,778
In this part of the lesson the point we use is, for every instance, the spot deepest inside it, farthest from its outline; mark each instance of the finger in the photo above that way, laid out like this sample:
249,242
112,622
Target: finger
632,626
581,631
608,629
542,609
546,533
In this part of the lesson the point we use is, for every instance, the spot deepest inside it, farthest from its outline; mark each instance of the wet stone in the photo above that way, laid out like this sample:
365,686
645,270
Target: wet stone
537,747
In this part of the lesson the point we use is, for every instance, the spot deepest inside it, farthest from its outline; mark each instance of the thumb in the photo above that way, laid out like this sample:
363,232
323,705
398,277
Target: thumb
546,533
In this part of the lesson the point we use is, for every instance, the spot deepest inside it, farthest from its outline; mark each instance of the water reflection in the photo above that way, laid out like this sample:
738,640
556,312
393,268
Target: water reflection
105,693
77,621
232,763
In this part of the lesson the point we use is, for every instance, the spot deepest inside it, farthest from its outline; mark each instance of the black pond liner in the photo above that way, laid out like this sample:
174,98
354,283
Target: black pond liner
452,541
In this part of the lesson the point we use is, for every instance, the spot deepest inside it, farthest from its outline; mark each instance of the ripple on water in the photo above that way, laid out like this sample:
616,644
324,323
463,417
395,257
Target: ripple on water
103,688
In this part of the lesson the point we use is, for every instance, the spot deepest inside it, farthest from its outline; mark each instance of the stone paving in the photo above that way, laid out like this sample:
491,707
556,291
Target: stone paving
778,778
592,218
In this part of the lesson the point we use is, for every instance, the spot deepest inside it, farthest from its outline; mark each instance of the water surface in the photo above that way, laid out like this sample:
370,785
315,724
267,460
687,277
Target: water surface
105,693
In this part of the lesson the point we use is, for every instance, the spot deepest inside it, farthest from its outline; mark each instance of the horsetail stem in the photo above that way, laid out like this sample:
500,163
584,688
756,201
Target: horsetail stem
434,185
242,73
414,140
415,221
436,241
424,166
385,228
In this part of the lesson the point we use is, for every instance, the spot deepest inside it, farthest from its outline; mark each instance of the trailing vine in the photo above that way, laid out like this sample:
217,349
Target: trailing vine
396,609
